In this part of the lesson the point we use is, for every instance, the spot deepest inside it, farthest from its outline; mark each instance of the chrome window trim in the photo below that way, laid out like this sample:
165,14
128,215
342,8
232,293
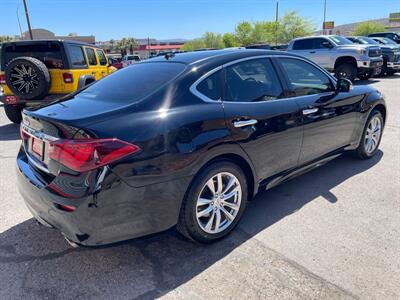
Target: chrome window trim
194,91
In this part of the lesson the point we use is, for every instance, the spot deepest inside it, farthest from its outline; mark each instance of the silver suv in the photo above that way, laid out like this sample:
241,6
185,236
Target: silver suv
340,56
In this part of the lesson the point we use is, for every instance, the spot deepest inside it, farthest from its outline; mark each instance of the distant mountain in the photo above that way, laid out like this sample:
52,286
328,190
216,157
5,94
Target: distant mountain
347,29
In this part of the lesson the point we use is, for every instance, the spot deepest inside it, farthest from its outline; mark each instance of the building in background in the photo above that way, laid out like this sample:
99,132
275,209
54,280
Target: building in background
44,34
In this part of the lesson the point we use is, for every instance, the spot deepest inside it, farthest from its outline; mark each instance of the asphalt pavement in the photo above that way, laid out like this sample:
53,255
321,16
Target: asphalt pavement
333,233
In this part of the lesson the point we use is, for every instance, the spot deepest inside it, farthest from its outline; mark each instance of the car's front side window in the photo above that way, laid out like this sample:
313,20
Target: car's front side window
102,57
251,81
304,78
91,56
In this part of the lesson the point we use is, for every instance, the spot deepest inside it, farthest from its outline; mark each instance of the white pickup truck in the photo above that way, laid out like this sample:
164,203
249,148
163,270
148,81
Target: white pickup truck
340,56
130,59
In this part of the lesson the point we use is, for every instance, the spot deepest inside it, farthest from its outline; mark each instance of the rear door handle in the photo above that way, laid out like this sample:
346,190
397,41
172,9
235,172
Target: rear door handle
312,52
309,111
243,123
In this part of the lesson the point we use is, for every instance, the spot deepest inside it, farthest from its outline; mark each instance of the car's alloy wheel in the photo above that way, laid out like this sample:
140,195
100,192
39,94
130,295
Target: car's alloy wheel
373,134
24,78
218,203
214,203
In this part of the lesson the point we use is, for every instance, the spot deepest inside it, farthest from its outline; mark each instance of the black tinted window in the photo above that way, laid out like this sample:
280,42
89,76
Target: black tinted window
321,43
252,80
129,85
303,44
304,78
91,56
102,57
77,56
211,86
48,53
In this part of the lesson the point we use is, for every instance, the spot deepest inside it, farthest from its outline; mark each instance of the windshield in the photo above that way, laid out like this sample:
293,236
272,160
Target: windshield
387,41
131,84
366,40
339,40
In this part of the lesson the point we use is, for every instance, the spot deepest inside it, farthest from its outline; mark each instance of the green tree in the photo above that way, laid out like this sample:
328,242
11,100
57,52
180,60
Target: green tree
5,38
230,40
127,43
292,25
367,28
213,40
244,33
194,45
263,32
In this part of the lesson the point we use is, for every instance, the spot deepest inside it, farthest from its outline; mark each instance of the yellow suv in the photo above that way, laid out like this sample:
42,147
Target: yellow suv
33,73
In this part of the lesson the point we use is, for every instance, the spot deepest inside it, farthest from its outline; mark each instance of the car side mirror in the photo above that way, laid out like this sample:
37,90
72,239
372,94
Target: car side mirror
344,85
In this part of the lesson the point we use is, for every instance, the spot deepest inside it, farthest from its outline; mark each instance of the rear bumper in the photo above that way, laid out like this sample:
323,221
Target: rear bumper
113,213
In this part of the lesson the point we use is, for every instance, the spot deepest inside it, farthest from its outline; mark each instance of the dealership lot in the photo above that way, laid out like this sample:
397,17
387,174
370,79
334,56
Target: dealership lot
332,233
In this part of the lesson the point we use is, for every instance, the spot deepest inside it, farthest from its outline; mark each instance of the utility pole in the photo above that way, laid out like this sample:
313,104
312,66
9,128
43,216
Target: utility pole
27,20
148,47
323,25
276,21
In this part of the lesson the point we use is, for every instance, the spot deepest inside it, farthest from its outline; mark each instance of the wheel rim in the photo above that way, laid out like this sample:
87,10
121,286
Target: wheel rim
24,78
218,203
373,135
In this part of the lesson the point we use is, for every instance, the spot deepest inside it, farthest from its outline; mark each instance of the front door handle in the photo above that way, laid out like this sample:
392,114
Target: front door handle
312,52
309,111
243,123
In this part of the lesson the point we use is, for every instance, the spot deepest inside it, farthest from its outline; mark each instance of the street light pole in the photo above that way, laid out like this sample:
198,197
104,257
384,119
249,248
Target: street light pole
323,24
276,21
19,22
27,20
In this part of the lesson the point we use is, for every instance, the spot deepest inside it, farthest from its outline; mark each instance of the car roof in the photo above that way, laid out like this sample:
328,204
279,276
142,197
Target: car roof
216,55
27,42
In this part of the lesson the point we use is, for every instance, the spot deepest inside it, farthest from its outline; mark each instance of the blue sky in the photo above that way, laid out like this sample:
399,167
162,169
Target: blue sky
164,19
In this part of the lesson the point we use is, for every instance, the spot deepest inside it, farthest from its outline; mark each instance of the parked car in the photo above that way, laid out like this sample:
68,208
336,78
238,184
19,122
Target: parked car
259,46
116,63
189,144
394,36
35,72
130,60
282,47
340,56
390,53
386,42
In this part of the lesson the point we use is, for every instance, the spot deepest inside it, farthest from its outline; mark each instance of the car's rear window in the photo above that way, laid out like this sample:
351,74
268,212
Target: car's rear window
48,53
133,83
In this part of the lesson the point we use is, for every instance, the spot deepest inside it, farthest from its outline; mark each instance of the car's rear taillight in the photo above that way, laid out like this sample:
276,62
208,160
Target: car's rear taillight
89,154
2,79
68,77
24,135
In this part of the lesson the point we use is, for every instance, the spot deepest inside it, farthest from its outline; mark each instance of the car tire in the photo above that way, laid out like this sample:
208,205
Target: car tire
13,113
23,70
193,222
384,70
347,71
364,151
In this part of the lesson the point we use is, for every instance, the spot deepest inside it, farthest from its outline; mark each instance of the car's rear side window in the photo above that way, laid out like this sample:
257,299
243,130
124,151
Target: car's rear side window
48,53
211,86
303,44
133,83
77,57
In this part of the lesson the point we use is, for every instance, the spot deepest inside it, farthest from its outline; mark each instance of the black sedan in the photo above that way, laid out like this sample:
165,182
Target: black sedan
187,140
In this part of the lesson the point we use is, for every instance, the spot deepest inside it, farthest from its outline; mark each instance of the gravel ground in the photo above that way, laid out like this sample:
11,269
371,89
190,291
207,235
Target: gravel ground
333,233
